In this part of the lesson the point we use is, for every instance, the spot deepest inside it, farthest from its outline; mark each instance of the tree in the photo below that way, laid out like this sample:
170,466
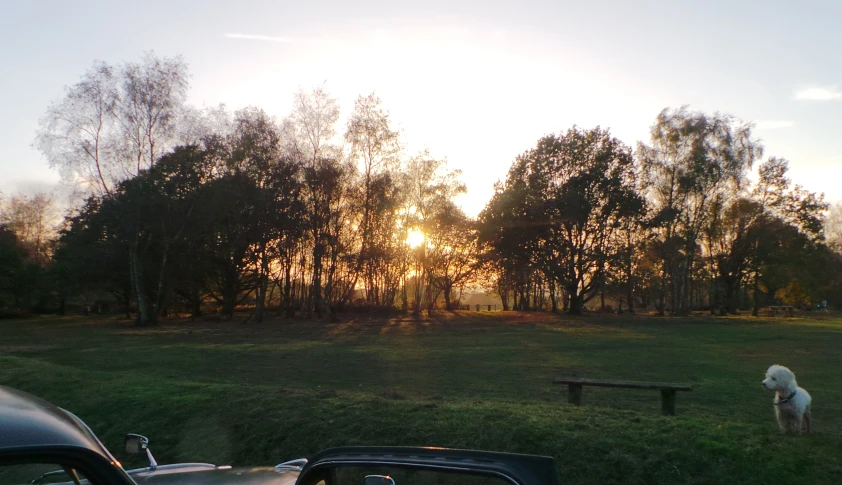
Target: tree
203,127
793,204
256,152
114,122
767,236
790,235
374,151
626,270
328,213
310,140
34,220
694,159
310,129
152,216
153,92
568,198
451,237
732,236
428,190
503,242
833,227
90,258
13,273
78,135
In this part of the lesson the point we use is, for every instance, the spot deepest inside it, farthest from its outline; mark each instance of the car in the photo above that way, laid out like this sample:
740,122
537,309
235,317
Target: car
42,444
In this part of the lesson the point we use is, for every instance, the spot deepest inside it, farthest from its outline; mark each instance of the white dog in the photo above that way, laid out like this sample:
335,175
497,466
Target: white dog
792,403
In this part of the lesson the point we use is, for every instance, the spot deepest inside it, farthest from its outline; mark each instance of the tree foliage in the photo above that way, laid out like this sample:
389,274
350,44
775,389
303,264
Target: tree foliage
116,121
563,204
197,210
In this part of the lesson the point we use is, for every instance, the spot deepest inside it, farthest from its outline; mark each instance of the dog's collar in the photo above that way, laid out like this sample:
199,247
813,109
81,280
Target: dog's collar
786,399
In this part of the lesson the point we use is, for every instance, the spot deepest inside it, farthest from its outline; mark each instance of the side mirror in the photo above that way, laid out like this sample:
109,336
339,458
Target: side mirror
379,480
135,443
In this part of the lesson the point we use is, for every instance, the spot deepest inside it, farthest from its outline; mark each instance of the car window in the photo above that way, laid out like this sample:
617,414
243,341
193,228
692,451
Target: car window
357,475
40,474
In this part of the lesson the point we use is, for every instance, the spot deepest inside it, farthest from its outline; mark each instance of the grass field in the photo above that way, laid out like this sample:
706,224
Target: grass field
233,393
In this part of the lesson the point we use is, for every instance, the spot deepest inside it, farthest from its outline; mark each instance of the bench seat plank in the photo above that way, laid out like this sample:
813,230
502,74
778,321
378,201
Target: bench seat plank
623,384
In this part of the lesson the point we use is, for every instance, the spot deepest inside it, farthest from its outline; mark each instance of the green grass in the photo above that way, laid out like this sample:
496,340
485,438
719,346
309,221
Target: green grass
245,394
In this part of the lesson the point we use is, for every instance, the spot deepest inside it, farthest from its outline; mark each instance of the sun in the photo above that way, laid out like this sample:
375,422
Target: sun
414,238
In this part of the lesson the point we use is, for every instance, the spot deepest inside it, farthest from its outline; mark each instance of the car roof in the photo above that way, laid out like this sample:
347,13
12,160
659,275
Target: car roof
31,423
520,469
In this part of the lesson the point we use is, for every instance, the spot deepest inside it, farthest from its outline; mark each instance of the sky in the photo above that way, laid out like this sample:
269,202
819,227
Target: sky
476,82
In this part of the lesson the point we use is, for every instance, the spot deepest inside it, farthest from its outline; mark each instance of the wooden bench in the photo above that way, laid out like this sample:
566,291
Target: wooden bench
773,311
668,390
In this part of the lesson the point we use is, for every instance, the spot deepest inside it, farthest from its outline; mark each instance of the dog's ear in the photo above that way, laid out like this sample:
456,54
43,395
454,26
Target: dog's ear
786,378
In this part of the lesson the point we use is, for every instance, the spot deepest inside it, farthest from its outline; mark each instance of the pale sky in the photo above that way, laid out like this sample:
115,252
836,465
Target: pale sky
477,82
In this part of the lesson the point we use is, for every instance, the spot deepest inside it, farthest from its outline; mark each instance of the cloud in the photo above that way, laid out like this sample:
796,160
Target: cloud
819,93
285,40
771,125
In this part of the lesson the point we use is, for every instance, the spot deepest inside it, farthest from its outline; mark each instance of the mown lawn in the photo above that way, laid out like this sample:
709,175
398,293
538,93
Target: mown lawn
242,394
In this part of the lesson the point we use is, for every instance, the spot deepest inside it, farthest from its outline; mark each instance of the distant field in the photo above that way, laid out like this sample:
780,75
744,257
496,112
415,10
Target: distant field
233,393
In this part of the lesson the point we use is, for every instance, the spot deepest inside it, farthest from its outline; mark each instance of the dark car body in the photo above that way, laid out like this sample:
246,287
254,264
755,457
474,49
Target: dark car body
35,431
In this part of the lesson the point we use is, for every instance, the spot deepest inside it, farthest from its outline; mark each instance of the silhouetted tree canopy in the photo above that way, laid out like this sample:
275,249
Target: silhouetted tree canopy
192,211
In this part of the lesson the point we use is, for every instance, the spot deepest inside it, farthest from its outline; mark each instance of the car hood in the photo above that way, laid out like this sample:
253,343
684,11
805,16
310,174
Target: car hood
203,475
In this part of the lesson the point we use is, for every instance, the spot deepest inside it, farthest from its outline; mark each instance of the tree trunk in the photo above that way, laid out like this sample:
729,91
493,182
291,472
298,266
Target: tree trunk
161,289
674,292
447,289
729,298
262,285
144,317
331,277
318,253
553,300
687,285
713,297
418,292
229,293
602,293
504,298
575,306
662,297
744,297
288,289
195,301
575,301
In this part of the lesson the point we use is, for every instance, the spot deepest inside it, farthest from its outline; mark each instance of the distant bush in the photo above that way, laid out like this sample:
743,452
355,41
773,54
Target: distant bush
9,313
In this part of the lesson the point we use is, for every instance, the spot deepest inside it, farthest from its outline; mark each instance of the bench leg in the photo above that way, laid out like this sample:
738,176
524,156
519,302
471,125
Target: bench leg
574,394
667,402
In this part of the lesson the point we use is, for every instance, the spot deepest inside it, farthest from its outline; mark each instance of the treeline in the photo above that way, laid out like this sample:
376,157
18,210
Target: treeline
675,225
191,209
27,241
188,210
